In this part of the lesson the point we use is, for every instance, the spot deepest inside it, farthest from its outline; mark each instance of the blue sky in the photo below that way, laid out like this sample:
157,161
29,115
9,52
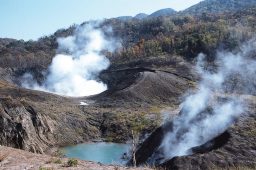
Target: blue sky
31,19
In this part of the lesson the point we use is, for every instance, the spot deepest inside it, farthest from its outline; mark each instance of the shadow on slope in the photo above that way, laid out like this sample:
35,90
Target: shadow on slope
142,85
151,151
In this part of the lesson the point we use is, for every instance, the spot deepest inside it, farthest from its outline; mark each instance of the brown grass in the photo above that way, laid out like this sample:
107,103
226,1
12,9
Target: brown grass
50,161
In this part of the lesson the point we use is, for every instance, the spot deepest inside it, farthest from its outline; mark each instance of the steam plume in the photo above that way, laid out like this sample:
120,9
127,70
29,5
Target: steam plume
73,73
233,75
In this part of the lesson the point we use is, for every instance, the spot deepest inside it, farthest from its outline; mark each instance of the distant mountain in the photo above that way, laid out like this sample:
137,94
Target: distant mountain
125,18
217,6
162,12
141,16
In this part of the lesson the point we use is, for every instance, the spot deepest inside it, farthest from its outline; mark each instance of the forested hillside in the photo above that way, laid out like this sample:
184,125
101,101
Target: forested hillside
182,36
20,53
217,6
141,16
5,41
185,36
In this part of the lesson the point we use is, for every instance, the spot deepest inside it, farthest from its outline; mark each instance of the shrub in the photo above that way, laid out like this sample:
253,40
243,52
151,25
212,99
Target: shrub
155,109
54,116
109,139
80,131
72,162
40,168
57,161
93,129
59,154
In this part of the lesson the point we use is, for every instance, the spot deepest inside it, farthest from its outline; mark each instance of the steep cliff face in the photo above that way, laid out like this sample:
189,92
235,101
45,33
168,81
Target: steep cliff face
32,128
25,128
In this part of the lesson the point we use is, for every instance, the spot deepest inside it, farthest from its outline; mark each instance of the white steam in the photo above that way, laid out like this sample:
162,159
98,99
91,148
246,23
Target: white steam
83,103
233,75
73,73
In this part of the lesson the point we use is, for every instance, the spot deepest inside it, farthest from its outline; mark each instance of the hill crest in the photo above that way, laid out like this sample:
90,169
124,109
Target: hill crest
162,12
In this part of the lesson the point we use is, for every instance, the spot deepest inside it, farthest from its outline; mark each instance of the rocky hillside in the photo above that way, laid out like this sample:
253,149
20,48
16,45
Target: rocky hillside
35,120
233,148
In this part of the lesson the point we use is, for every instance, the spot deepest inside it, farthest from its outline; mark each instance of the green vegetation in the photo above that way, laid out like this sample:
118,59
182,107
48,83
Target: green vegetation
217,6
109,139
57,161
155,109
80,131
144,123
250,129
59,154
94,129
72,162
40,168
54,116
118,124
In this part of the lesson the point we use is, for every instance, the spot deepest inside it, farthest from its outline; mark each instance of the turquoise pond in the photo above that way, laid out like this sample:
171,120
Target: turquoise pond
107,153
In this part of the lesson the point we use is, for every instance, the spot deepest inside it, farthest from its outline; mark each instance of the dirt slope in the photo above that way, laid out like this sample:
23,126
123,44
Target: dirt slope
152,87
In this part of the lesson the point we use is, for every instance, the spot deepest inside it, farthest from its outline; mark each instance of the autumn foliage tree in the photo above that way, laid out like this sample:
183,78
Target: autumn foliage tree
184,35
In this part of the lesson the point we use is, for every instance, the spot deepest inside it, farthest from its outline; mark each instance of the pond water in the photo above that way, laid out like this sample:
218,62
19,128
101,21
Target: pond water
107,153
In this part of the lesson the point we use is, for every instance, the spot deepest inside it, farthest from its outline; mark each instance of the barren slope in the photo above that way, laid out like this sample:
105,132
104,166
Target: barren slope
35,120
234,148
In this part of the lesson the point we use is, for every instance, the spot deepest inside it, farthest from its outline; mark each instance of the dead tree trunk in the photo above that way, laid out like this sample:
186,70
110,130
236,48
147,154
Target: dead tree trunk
133,150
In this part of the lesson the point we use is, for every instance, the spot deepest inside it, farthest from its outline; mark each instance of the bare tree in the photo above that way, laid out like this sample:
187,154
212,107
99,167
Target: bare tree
133,150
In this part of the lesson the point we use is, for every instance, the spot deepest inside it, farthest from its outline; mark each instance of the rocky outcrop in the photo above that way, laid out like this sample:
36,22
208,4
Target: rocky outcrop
235,147
16,76
25,128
